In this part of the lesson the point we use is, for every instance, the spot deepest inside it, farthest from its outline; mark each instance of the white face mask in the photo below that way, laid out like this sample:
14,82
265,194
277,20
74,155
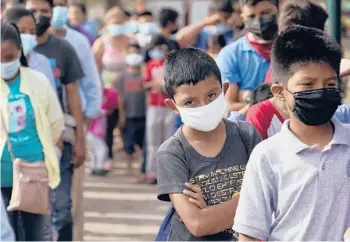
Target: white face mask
134,59
28,43
10,69
205,118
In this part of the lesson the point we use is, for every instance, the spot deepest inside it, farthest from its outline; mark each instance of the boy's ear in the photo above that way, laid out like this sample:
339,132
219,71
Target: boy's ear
171,105
225,87
277,91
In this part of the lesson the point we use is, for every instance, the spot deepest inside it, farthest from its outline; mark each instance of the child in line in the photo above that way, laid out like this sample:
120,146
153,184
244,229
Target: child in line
97,132
160,120
297,183
132,102
268,116
200,168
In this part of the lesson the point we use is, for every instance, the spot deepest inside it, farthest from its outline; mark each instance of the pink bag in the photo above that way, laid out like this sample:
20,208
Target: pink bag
30,190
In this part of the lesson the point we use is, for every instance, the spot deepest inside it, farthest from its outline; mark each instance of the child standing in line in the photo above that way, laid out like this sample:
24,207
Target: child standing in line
297,183
200,168
97,132
160,120
132,102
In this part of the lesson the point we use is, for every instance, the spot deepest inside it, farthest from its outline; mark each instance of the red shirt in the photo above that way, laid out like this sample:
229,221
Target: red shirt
268,77
154,69
265,118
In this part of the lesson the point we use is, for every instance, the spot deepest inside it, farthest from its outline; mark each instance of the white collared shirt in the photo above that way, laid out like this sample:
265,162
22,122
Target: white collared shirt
292,191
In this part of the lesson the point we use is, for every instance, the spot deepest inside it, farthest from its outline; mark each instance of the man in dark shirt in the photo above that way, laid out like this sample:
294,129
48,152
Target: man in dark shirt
169,26
67,71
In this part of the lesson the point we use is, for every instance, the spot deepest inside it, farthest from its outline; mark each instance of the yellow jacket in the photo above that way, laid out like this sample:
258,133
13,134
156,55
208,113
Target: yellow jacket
48,116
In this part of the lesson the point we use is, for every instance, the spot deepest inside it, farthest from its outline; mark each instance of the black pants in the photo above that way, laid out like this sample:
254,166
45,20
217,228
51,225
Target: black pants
27,226
112,121
134,134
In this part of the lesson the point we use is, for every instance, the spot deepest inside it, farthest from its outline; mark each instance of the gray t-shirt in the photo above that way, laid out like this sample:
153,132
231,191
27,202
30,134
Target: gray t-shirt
131,87
219,177
64,63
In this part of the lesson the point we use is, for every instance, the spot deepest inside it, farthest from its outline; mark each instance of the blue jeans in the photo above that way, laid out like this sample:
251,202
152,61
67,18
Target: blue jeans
61,202
27,226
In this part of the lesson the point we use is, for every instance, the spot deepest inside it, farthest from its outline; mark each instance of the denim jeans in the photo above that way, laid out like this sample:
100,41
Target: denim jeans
27,226
61,202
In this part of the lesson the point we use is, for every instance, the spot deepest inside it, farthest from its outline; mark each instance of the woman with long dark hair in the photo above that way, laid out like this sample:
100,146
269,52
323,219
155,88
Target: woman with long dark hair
31,126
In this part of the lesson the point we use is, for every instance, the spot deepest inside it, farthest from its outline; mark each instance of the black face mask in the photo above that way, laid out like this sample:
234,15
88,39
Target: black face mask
42,25
316,107
175,31
264,27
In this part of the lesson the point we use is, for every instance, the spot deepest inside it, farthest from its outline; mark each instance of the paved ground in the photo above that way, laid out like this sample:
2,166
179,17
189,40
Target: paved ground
118,209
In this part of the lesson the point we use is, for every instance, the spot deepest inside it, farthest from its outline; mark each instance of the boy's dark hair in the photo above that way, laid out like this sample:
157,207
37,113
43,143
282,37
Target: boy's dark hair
13,15
216,39
255,2
10,32
261,93
167,15
145,13
221,6
302,45
81,6
188,66
307,13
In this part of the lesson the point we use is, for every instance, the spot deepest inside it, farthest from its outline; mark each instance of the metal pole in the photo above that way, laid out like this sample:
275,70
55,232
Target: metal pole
334,12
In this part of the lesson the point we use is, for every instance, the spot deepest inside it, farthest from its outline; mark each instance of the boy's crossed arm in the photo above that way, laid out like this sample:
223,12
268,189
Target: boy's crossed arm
201,220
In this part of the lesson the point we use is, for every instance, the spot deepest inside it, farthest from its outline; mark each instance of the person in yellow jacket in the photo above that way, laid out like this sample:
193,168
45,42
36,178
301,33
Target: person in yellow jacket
32,121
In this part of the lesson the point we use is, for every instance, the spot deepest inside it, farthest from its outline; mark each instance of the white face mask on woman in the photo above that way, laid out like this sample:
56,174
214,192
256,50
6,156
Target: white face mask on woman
9,69
205,118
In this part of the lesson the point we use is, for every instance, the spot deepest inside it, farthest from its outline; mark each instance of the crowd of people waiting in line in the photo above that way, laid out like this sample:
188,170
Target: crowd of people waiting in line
180,95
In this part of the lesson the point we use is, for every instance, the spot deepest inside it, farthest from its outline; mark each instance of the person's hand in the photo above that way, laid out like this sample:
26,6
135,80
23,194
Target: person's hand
212,19
195,195
79,152
121,122
59,144
347,235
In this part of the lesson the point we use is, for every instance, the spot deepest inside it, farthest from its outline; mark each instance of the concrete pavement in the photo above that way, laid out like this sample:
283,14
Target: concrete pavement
118,209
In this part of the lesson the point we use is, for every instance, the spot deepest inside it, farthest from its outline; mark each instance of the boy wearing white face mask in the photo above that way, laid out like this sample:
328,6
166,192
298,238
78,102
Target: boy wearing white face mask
132,102
207,156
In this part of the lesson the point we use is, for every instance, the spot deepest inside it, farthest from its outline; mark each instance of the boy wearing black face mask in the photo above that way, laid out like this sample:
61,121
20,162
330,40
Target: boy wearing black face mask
297,183
245,62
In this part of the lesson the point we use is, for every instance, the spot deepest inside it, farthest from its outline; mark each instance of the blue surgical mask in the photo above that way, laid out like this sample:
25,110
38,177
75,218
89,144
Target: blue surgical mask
28,43
9,69
217,29
59,17
156,54
131,27
222,28
148,28
115,29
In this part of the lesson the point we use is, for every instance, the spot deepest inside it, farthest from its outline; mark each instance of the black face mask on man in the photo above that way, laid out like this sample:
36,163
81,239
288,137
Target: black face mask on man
42,25
316,107
264,27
